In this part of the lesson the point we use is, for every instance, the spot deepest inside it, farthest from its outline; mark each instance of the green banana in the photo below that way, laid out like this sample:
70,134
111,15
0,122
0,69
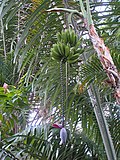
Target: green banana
55,46
64,37
53,51
70,56
75,56
75,40
62,47
72,38
67,51
72,61
68,36
59,49
55,55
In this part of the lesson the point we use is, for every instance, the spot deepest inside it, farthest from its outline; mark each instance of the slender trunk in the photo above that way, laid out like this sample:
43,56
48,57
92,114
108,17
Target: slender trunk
102,123
3,38
101,120
113,75
106,61
18,26
103,52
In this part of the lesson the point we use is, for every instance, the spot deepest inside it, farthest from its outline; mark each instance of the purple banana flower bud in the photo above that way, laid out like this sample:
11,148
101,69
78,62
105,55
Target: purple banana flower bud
63,136
57,126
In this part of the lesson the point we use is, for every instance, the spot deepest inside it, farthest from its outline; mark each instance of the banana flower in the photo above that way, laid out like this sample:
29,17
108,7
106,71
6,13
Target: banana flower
63,133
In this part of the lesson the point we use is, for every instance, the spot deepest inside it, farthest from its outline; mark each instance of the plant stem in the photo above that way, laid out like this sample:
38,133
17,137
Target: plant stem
3,36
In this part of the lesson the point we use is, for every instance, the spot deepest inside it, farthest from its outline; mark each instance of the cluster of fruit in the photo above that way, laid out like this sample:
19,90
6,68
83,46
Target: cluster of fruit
67,48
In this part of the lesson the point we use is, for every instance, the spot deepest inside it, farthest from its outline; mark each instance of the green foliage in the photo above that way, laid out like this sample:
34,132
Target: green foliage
13,111
31,42
8,73
36,146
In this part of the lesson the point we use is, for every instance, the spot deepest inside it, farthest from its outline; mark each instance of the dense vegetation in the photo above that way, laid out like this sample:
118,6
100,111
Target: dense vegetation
51,74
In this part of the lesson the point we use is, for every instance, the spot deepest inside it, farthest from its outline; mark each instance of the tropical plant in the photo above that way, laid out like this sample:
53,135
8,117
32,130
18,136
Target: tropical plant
88,93
14,110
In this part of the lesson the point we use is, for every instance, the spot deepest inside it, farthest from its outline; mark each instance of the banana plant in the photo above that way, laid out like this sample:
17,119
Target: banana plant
110,68
40,73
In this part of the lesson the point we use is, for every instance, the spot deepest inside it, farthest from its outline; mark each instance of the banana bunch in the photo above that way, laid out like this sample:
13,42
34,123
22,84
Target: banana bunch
67,47
59,50
68,37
